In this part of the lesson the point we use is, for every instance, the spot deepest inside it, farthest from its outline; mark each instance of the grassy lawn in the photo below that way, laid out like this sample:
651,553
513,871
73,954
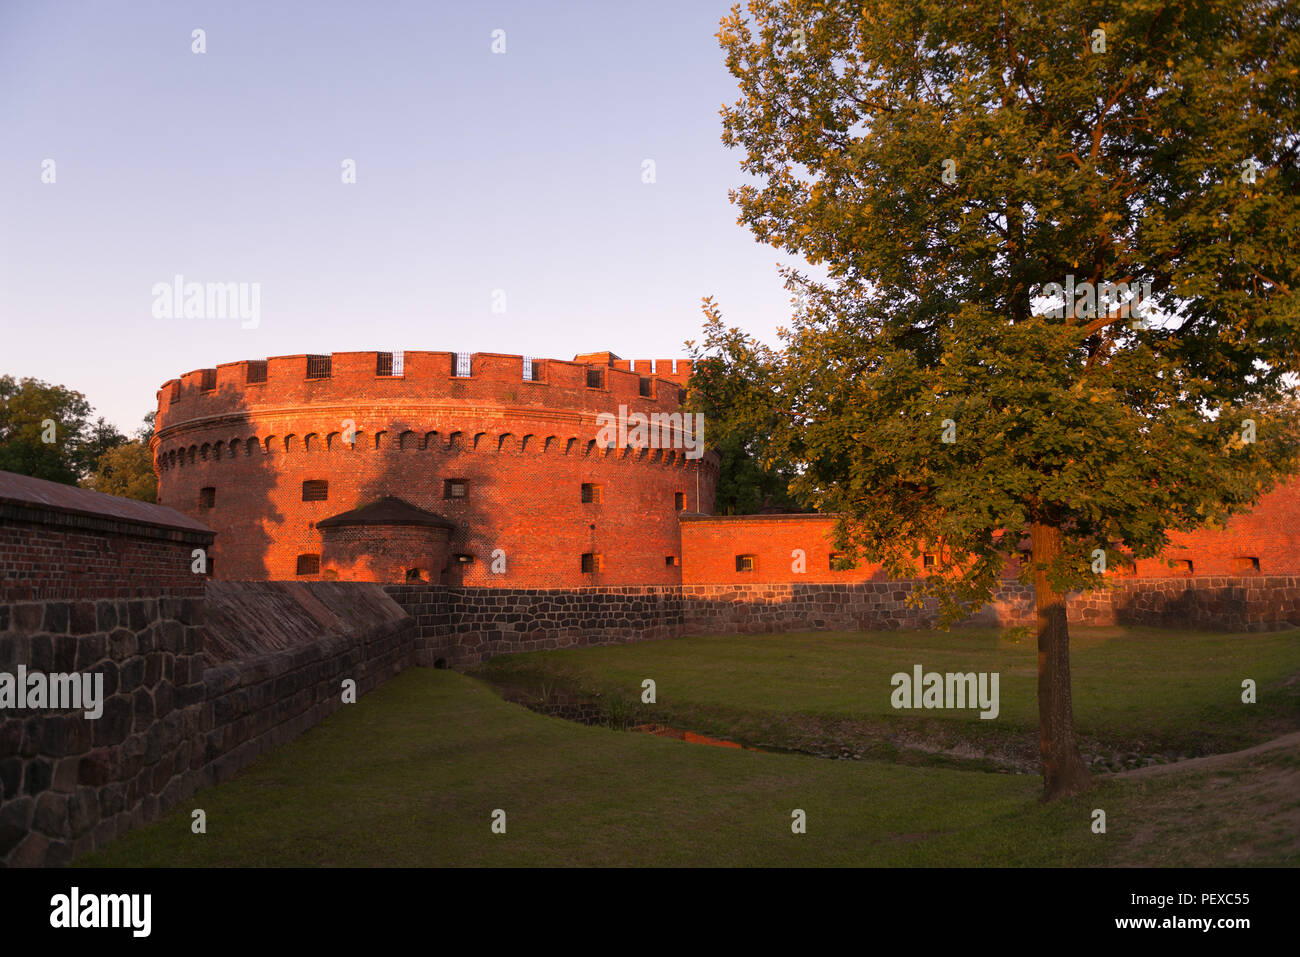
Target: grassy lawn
411,774
1144,692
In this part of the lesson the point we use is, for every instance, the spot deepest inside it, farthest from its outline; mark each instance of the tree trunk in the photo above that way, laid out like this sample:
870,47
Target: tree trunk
1063,769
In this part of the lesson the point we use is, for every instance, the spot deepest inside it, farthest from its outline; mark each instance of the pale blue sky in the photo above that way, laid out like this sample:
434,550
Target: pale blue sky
475,172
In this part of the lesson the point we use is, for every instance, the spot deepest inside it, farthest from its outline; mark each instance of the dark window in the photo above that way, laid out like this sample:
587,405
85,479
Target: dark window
670,559
388,363
1245,563
212,565
460,365
681,396
927,561
1183,566
315,490
414,575
590,494
595,378
308,564
207,497
455,488
745,563
209,380
256,371
319,367
532,369
679,500
646,389
591,562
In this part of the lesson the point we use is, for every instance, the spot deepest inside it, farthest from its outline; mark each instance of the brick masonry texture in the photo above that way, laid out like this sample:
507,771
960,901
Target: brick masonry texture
710,544
57,541
525,448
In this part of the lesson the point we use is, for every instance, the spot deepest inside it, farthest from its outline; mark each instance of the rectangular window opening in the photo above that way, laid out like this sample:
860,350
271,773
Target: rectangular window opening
315,490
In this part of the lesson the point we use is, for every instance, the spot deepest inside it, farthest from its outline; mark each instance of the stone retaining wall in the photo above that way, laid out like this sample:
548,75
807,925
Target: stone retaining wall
459,626
69,784
171,724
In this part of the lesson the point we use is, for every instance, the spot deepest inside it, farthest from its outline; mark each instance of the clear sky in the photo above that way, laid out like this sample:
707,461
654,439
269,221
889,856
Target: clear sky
475,172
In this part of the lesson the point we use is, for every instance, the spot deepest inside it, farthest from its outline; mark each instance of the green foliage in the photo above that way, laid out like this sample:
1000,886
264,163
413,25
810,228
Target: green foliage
127,471
1017,633
1122,166
745,485
30,412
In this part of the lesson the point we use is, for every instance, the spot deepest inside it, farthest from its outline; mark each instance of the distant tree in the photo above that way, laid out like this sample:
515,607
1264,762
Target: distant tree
989,186
127,469
46,432
145,432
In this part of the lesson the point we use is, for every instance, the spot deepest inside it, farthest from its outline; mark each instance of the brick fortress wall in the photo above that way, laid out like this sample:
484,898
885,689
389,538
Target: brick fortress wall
524,447
1262,542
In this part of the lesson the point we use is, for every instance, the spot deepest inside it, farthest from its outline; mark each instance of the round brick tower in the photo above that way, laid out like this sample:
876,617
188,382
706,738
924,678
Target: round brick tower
503,471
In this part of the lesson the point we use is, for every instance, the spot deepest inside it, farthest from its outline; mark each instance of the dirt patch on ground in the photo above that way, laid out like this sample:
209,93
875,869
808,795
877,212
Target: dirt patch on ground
1289,741
1226,809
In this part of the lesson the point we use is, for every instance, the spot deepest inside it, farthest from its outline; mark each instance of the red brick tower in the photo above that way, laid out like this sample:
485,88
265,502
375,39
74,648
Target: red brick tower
500,452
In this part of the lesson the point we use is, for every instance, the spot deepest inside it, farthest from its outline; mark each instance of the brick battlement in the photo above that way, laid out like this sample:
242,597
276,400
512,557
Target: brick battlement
428,379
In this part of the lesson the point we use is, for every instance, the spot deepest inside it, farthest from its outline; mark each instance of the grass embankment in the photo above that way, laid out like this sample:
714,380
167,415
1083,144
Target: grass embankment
411,774
1140,695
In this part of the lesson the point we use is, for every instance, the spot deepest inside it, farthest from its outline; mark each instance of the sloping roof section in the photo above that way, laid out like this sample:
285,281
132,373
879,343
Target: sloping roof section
25,491
388,510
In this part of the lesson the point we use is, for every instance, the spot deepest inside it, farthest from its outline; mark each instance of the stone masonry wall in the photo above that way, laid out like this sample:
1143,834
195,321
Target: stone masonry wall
171,723
1252,603
315,636
69,784
460,626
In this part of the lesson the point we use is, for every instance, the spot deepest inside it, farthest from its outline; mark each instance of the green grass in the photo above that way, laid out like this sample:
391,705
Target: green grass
410,775
1147,691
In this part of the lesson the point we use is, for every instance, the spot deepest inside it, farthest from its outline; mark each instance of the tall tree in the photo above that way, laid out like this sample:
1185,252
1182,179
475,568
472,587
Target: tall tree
1061,281
46,431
